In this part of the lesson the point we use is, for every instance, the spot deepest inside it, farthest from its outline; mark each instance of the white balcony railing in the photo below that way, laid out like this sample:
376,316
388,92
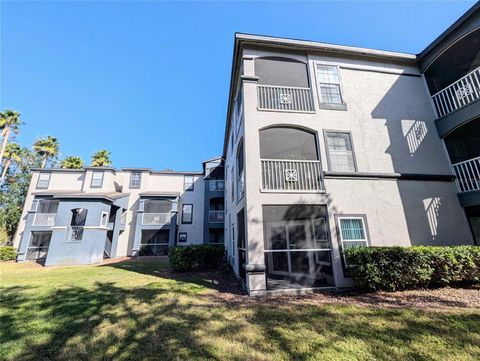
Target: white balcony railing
44,219
216,185
291,175
151,219
285,98
463,92
468,175
216,216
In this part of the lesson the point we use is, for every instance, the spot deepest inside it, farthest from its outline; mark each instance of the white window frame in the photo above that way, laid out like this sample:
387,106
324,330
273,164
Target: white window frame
340,82
104,224
326,132
40,181
365,233
93,178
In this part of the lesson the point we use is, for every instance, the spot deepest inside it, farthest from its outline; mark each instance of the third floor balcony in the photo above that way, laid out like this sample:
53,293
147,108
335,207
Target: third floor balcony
459,94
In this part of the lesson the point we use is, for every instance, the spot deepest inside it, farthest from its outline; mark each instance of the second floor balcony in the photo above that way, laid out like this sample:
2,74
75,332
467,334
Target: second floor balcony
44,219
151,219
216,185
459,94
291,175
216,216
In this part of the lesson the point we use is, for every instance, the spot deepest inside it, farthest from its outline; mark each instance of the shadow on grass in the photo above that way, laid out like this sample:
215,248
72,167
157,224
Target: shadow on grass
174,319
223,281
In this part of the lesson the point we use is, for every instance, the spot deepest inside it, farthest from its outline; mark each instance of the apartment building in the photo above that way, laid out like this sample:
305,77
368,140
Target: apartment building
329,147
326,147
83,216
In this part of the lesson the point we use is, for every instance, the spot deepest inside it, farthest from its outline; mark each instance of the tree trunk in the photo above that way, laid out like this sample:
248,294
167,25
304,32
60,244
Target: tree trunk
4,144
5,170
44,162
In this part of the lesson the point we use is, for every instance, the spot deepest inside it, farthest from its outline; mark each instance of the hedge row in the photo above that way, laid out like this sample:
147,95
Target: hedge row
7,253
196,257
400,268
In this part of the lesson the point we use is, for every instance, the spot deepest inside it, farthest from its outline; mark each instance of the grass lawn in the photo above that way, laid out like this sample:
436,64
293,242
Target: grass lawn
138,310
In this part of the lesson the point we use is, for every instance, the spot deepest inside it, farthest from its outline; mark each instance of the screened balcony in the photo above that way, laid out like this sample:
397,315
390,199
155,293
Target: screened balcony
289,160
45,212
283,85
155,211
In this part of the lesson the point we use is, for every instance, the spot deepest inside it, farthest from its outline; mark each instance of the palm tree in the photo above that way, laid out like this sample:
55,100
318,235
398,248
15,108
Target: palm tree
101,158
72,162
9,121
12,152
47,148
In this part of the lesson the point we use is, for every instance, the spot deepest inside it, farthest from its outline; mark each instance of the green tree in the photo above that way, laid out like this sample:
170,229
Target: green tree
13,152
101,158
9,122
72,162
47,148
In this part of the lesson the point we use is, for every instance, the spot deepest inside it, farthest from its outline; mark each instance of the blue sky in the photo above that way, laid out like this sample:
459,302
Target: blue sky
149,80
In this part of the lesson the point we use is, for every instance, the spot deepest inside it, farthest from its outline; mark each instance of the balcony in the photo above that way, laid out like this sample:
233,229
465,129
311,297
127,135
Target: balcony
459,94
289,99
44,219
216,216
216,185
291,175
468,175
152,219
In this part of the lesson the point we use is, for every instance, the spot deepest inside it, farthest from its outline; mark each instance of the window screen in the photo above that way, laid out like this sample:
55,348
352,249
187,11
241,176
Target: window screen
288,143
352,232
340,152
281,71
157,206
329,84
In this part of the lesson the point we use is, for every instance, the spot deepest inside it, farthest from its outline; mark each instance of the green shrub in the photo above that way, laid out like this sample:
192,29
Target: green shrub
7,253
196,257
400,268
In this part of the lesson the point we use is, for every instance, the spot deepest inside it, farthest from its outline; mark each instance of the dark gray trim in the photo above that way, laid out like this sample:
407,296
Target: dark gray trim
101,183
393,176
191,218
327,151
469,199
456,119
38,180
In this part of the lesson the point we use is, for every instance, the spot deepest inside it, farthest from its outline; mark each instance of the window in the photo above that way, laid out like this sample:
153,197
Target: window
187,213
182,237
104,219
43,180
97,180
79,218
188,182
329,84
340,152
352,233
135,179
240,173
